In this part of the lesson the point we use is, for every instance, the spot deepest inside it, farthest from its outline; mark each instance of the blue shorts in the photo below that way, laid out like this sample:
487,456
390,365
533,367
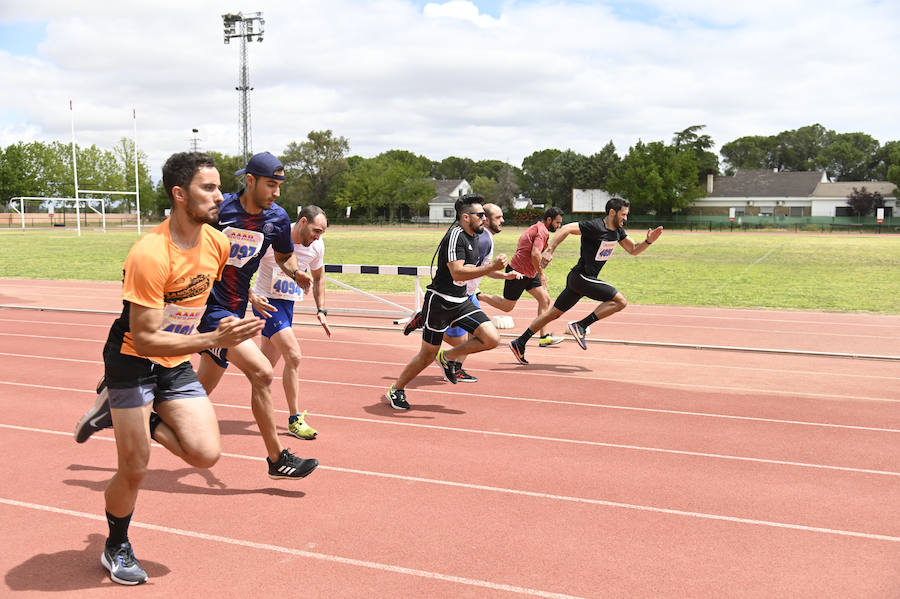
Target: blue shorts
133,382
459,331
214,313
281,318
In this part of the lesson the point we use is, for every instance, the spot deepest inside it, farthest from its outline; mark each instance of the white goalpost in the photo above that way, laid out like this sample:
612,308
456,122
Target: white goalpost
77,199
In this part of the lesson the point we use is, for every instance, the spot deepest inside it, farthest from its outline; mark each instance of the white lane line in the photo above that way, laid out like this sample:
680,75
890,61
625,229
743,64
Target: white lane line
568,498
633,320
524,399
483,433
301,553
606,379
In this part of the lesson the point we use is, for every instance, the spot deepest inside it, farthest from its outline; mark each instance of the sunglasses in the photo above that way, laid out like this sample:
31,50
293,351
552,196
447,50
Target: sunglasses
478,214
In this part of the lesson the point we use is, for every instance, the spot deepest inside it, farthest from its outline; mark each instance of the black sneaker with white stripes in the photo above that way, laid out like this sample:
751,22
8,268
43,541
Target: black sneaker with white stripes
97,418
290,466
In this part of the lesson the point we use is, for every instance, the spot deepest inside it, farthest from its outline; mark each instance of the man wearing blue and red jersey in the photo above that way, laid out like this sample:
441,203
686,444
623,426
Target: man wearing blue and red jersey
252,221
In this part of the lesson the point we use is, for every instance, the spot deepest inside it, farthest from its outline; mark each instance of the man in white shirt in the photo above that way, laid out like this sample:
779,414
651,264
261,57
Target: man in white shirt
276,293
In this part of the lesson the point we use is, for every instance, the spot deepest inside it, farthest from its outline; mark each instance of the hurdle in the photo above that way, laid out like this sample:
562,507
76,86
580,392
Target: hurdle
401,313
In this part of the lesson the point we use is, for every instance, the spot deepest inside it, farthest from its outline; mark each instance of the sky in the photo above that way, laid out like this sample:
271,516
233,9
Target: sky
480,79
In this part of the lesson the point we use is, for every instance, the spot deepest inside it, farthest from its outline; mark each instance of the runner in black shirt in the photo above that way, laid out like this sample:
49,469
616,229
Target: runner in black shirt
447,304
599,238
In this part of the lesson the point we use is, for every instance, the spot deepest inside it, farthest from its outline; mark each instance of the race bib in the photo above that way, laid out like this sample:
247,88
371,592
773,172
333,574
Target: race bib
283,287
177,319
605,250
244,245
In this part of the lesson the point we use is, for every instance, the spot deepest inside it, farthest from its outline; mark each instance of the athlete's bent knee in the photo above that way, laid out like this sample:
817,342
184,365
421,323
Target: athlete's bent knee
203,457
489,337
620,302
261,376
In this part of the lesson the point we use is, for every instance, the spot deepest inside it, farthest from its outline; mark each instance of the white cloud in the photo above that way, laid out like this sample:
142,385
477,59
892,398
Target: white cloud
449,79
459,9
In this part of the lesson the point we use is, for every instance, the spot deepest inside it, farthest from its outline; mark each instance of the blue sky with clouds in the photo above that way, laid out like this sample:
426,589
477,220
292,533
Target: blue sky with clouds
487,79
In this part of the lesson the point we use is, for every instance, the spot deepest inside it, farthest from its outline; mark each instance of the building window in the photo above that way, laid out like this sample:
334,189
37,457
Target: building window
767,210
449,212
843,211
795,211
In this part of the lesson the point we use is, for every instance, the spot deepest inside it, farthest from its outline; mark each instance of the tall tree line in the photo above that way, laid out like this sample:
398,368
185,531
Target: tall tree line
658,177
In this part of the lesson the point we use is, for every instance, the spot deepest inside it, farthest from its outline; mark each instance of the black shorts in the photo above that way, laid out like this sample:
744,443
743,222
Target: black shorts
579,286
133,382
513,288
438,314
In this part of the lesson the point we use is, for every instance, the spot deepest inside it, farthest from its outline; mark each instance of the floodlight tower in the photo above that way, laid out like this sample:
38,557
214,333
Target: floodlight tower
248,28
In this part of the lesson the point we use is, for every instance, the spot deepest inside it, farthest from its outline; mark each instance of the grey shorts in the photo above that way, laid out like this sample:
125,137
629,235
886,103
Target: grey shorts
134,382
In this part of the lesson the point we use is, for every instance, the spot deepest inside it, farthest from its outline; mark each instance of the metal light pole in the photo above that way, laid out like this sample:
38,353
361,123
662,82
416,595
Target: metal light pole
248,28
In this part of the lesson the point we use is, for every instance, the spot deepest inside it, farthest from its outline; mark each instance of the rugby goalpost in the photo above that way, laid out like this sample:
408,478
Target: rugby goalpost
78,200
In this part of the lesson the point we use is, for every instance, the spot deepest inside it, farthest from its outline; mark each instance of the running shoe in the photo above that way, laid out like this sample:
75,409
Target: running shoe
300,429
122,565
577,331
397,397
414,323
548,340
518,351
462,376
97,418
290,466
447,366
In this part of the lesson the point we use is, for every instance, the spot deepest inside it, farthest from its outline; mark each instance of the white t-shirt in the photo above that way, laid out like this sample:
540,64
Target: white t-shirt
271,281
472,284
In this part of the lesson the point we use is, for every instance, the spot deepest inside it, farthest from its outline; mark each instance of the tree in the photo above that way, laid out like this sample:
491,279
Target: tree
453,167
227,166
886,156
600,167
749,153
536,180
567,171
797,150
689,140
124,154
507,187
864,202
312,167
385,185
849,157
487,187
657,178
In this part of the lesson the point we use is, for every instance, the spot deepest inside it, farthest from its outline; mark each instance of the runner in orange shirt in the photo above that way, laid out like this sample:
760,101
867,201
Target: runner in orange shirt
167,277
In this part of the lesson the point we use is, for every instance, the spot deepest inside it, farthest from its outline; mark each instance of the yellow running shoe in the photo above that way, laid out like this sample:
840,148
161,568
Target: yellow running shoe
300,429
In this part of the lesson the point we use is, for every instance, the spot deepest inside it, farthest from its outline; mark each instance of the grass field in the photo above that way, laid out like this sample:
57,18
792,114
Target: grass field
755,270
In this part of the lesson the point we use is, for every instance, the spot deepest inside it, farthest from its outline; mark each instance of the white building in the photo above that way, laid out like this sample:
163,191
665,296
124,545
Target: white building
441,207
773,193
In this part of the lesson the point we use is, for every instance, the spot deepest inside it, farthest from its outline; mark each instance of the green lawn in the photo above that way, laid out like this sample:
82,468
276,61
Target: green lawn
758,270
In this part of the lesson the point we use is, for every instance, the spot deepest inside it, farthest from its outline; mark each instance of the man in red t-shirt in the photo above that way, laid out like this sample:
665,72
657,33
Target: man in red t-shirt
528,262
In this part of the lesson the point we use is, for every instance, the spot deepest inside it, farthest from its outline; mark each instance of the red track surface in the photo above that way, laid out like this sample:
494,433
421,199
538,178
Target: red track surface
623,471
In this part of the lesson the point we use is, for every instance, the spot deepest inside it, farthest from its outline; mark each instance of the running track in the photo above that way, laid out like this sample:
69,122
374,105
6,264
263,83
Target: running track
623,471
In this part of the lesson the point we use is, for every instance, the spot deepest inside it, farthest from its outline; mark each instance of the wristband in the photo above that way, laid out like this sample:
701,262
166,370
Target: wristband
647,242
322,311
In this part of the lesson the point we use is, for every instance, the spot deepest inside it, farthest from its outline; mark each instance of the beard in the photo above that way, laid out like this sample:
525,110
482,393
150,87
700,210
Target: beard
200,216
